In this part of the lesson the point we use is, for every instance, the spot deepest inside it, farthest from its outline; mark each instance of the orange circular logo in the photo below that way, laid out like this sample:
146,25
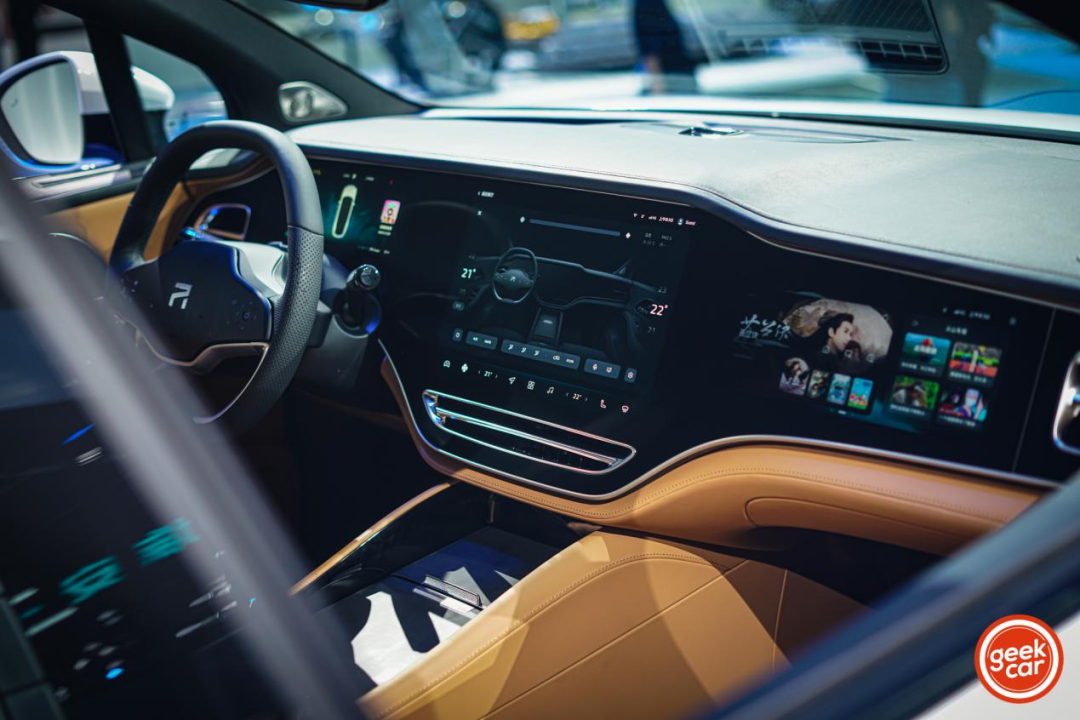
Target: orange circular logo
1019,659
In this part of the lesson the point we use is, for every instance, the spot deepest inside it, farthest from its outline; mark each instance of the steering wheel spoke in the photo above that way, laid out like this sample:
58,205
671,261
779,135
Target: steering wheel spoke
195,297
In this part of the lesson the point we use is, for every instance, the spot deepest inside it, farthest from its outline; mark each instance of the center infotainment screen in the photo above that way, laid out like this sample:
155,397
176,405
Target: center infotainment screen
581,298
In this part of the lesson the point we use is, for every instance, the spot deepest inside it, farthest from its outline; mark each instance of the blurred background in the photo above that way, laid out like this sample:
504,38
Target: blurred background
585,53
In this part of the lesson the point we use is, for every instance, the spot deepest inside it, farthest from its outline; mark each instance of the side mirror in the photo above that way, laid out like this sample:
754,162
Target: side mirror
54,117
41,112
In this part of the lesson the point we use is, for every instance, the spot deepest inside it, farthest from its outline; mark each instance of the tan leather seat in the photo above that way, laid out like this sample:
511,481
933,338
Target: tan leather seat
617,626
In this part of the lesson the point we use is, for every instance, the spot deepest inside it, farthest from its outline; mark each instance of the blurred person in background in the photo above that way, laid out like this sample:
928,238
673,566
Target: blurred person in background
392,34
661,49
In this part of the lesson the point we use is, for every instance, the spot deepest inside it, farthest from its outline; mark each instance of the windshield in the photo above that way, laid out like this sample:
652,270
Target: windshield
697,54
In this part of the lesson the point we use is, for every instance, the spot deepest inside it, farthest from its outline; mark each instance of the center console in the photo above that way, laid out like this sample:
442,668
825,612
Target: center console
580,341
427,572
463,604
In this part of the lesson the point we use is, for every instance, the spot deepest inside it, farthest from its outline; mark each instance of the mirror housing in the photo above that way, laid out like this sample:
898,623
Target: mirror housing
45,105
41,112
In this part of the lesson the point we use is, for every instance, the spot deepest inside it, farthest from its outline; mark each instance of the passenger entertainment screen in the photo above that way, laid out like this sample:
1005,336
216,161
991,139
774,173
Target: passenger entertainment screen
909,373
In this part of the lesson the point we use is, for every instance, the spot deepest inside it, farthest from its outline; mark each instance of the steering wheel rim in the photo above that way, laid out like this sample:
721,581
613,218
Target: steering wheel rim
289,315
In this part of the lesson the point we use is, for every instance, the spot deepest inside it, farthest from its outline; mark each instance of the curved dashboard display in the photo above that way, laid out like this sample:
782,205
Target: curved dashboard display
579,340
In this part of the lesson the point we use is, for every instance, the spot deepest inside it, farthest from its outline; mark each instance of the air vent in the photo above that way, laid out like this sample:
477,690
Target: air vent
706,131
749,133
525,437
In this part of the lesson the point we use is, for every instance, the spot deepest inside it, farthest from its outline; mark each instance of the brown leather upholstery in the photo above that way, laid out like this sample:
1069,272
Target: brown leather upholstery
617,626
98,222
725,496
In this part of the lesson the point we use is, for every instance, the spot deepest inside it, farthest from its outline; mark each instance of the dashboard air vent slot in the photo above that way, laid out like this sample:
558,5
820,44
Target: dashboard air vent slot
708,131
525,437
755,133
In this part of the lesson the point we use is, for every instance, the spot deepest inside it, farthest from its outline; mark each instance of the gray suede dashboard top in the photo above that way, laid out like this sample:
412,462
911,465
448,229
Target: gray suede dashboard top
997,212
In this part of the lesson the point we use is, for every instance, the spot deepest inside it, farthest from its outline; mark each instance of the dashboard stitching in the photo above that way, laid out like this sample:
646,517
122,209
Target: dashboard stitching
388,150
652,498
536,610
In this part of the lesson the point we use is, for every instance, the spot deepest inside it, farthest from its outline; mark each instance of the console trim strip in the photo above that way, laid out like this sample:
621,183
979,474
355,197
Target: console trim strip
440,415
723,443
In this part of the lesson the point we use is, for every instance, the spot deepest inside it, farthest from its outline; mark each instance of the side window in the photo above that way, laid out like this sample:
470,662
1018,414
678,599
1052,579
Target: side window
54,110
194,98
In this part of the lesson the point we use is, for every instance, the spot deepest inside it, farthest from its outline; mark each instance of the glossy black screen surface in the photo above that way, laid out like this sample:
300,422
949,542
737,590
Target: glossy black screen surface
727,336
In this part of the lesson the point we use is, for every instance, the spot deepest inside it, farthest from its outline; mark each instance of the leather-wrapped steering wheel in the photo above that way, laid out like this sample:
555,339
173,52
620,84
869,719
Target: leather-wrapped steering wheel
206,299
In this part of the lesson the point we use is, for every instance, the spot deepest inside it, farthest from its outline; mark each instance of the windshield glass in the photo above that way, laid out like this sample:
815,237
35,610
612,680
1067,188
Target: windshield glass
697,54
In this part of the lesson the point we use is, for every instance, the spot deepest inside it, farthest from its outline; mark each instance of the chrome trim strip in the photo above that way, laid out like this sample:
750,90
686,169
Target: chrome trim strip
511,452
440,415
529,418
210,357
723,443
1068,405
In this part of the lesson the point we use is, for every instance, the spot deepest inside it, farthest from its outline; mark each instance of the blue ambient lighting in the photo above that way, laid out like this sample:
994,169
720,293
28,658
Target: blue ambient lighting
77,434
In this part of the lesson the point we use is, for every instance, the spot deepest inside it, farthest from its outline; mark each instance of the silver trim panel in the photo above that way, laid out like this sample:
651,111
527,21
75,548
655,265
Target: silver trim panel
442,417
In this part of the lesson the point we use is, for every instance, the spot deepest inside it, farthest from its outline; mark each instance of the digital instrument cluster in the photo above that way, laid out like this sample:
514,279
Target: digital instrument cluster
360,209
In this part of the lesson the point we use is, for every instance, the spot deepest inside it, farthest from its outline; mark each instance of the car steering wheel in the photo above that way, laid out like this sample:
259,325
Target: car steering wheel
207,299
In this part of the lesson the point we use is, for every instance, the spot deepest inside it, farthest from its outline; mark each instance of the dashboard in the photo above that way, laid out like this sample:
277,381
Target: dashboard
583,340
